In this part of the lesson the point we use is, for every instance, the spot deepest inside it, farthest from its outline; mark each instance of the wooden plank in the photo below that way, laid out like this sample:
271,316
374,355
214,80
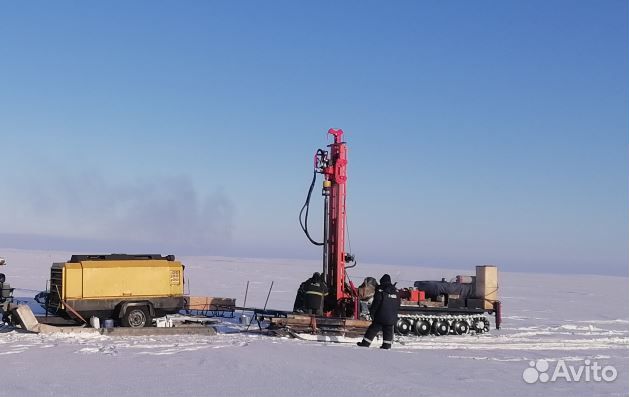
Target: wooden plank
49,329
205,303
125,331
55,320
328,320
304,323
149,331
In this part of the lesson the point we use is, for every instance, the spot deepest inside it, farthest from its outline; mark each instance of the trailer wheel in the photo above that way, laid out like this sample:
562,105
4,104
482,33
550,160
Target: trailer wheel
136,317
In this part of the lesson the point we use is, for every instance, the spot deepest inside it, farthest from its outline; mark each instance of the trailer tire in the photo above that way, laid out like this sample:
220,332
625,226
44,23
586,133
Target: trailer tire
136,317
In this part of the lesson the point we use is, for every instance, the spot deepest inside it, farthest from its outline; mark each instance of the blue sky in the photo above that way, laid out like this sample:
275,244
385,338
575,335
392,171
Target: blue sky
479,132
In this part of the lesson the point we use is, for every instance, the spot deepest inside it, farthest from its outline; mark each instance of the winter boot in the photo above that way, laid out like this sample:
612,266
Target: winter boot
363,343
386,344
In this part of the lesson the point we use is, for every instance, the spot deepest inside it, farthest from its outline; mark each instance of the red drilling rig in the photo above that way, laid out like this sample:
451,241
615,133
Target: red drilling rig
342,300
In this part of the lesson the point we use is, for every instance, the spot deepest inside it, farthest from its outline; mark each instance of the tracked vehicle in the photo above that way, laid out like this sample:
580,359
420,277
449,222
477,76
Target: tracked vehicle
441,307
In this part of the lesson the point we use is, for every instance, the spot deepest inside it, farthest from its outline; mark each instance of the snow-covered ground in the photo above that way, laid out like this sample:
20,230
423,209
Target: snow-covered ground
554,317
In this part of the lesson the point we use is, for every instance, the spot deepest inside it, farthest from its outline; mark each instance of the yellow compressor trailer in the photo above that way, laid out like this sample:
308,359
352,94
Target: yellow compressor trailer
132,289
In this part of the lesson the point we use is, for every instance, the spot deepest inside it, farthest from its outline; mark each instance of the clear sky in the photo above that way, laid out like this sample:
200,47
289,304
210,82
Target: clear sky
478,132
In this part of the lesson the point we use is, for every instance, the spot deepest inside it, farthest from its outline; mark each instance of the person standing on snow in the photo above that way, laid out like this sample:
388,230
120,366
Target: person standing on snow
383,310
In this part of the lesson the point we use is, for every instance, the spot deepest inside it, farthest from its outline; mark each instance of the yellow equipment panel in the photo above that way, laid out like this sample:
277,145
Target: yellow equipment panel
124,278
73,281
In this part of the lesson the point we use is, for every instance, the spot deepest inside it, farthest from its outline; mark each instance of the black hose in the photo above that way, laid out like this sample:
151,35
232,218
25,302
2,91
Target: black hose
303,221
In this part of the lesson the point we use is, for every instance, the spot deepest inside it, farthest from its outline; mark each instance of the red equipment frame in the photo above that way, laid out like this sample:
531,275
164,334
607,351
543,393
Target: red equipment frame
333,165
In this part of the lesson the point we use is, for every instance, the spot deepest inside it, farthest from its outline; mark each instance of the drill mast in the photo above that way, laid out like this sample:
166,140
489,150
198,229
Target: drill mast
332,164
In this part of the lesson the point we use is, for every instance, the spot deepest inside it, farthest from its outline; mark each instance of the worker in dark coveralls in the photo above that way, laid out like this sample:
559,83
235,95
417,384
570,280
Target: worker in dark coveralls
310,295
383,310
315,291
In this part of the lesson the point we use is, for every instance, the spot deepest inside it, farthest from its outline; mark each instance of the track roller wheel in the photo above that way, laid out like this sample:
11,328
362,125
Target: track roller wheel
421,327
460,327
440,327
485,325
403,326
479,325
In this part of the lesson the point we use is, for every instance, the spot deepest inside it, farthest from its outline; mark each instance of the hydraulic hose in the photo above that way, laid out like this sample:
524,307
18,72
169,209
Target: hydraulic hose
303,220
